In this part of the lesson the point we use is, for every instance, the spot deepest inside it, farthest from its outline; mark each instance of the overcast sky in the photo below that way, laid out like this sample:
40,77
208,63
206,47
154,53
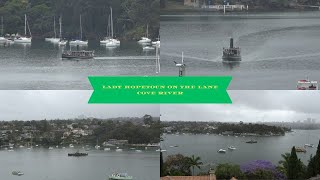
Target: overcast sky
37,105
250,106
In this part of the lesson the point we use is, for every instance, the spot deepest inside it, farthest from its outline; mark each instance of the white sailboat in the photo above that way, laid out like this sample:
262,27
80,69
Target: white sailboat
79,42
25,39
222,151
62,42
145,39
109,41
54,40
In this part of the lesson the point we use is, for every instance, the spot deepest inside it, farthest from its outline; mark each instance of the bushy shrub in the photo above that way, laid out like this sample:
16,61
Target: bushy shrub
261,169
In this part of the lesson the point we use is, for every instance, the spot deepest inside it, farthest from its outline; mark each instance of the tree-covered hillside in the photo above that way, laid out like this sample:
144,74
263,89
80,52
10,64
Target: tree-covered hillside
130,17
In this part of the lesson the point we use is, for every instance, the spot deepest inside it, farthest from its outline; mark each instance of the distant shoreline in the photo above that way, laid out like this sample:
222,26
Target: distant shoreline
164,11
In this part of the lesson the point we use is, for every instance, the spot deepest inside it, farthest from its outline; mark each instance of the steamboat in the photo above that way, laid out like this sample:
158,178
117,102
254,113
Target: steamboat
231,54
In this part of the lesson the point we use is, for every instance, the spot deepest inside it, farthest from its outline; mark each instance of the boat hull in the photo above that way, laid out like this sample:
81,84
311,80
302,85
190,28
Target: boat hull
231,58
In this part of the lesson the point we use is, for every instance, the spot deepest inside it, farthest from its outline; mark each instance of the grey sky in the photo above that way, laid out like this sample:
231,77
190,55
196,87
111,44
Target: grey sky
35,105
250,106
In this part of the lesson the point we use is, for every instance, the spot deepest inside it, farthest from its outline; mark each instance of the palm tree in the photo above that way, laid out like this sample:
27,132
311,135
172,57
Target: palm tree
195,162
284,163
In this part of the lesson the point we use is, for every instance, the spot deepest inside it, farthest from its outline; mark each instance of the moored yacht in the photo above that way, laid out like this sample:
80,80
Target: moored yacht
232,148
24,39
146,38
79,42
109,41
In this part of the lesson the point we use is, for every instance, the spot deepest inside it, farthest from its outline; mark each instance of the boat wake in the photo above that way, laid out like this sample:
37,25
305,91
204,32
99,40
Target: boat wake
127,58
251,59
187,57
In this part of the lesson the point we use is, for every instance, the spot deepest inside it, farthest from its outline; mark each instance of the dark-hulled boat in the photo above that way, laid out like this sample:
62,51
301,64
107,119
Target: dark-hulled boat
78,54
252,141
231,54
77,154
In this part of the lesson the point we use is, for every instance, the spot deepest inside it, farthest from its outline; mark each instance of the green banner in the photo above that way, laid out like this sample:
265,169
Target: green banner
163,89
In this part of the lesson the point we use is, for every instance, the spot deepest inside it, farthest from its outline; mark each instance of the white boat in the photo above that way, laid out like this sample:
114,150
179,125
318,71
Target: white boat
79,42
232,148
148,48
97,147
54,40
21,39
138,150
62,42
109,41
17,173
50,148
118,150
71,146
309,145
222,151
120,176
146,38
156,43
107,149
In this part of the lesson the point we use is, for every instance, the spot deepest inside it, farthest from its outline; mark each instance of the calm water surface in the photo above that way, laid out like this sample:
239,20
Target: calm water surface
267,148
39,65
43,164
278,49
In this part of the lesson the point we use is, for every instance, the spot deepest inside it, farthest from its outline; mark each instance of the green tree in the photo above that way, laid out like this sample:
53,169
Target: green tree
177,165
313,168
227,171
195,162
284,163
295,166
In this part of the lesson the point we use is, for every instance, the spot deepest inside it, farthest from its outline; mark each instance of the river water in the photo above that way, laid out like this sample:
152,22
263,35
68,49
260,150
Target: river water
44,164
39,65
267,148
278,48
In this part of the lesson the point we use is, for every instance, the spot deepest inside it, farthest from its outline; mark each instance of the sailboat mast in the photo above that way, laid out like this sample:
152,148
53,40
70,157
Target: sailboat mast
54,26
25,24
147,30
111,23
108,28
60,22
80,28
2,25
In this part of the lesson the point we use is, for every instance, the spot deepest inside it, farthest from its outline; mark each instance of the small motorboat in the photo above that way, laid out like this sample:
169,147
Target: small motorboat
138,150
232,148
71,146
77,154
120,176
252,141
17,173
107,149
50,148
222,151
309,145
301,149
